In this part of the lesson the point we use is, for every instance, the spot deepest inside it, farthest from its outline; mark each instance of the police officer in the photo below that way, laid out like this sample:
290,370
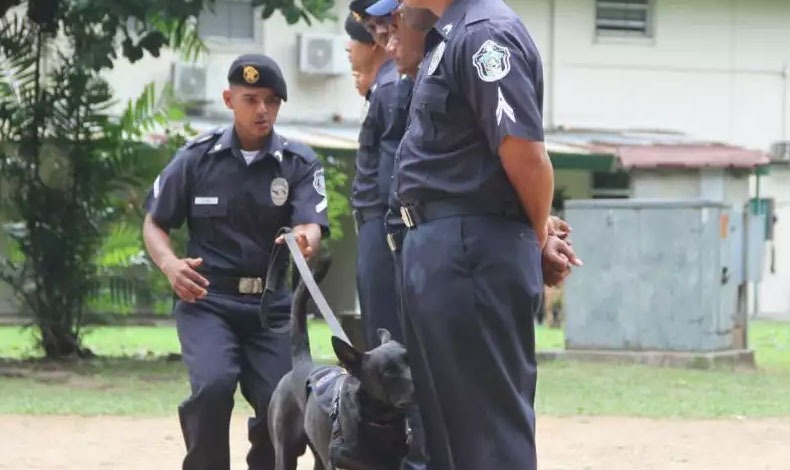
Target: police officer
476,186
379,136
234,187
382,129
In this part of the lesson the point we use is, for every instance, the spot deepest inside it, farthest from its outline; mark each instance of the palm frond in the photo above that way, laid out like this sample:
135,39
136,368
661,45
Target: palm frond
143,114
120,248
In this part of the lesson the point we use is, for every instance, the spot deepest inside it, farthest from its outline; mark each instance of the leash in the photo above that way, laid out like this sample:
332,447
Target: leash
274,278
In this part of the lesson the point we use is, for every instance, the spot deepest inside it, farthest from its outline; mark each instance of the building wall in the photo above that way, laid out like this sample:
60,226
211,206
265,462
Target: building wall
713,68
311,98
717,69
774,290
712,184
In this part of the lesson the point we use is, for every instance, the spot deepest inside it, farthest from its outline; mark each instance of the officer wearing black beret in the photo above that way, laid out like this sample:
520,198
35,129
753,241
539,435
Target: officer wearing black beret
234,187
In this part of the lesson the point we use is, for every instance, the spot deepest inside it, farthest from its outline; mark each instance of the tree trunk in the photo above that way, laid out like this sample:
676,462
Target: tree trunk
61,343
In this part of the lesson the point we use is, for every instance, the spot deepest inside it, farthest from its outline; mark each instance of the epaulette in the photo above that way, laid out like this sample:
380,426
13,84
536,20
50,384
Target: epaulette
205,137
299,149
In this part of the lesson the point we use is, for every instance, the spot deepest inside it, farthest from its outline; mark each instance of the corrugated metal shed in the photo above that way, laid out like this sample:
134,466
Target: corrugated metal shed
653,149
600,150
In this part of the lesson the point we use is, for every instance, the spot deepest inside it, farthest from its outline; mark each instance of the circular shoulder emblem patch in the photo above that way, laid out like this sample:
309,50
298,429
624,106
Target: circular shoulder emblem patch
279,191
318,183
492,61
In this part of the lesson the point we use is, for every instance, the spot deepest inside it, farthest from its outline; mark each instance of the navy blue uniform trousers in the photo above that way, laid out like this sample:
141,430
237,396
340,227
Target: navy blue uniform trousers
378,298
471,286
416,458
222,344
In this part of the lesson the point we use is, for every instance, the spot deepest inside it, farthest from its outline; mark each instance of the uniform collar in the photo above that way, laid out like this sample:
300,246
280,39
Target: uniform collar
386,72
468,10
229,142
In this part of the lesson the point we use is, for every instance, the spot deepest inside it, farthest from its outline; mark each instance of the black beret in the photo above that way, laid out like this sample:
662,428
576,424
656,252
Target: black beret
258,70
359,7
357,31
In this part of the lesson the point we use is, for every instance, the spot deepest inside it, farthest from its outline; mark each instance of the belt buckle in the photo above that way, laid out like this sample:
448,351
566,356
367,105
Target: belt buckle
250,285
406,217
391,242
355,215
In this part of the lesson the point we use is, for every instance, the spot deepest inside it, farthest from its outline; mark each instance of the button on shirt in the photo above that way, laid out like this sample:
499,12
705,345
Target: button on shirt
232,208
379,137
481,80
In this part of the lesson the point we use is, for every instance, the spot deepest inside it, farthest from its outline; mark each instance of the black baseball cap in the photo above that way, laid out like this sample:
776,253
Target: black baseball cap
357,30
358,8
258,70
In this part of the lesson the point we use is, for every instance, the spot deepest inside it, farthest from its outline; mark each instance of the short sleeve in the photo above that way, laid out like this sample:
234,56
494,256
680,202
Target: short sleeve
310,202
501,73
167,199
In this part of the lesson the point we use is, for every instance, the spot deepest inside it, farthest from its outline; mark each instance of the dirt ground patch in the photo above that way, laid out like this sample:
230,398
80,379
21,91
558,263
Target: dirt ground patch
118,443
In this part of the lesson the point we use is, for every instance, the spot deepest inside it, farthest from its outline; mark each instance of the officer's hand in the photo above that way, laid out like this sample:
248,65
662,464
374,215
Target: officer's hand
559,227
187,283
557,259
301,241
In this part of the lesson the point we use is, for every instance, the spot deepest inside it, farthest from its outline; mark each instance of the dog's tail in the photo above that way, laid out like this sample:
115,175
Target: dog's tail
300,339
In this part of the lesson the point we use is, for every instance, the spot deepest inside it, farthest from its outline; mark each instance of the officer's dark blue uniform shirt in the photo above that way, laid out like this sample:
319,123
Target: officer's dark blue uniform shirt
233,209
379,137
405,86
481,80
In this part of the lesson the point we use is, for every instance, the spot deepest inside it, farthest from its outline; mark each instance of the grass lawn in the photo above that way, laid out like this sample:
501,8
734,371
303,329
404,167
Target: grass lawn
131,378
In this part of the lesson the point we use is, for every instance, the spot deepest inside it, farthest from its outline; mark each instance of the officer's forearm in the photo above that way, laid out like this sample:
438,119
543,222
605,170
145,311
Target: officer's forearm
157,242
530,172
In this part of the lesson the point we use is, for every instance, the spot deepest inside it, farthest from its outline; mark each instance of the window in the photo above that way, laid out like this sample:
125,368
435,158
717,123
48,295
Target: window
231,19
629,18
611,185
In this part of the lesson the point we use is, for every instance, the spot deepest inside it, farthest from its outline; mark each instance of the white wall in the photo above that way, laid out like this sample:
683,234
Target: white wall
712,184
774,290
716,68
310,98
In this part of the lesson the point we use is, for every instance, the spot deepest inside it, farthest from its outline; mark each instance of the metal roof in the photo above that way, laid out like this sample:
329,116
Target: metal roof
656,149
628,148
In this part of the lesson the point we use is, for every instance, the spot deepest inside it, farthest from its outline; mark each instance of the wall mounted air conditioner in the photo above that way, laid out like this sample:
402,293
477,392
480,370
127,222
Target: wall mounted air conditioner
189,82
323,54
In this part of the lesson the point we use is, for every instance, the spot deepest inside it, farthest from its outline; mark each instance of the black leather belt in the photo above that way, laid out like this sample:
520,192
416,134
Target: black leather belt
423,212
363,215
234,285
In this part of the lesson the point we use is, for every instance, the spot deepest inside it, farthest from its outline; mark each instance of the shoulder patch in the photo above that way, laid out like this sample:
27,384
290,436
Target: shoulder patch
492,61
303,151
206,137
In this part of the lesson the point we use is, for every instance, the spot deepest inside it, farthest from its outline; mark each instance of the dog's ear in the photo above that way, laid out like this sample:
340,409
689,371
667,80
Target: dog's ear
347,354
384,335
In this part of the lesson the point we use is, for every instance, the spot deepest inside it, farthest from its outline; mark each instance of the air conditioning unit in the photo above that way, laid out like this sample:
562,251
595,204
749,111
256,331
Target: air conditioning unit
323,54
189,82
780,151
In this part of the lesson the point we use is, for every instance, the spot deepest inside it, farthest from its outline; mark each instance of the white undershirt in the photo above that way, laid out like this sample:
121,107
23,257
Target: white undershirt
249,155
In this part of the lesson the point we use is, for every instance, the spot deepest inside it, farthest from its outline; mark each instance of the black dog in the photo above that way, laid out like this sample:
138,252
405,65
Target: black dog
361,407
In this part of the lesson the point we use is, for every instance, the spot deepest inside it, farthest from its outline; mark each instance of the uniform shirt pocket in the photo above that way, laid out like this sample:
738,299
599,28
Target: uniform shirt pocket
432,99
206,213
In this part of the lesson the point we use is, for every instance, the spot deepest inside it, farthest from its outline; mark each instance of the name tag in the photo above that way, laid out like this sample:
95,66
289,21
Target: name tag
206,201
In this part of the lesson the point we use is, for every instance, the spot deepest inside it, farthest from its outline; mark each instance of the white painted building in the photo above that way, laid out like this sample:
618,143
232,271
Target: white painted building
714,69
